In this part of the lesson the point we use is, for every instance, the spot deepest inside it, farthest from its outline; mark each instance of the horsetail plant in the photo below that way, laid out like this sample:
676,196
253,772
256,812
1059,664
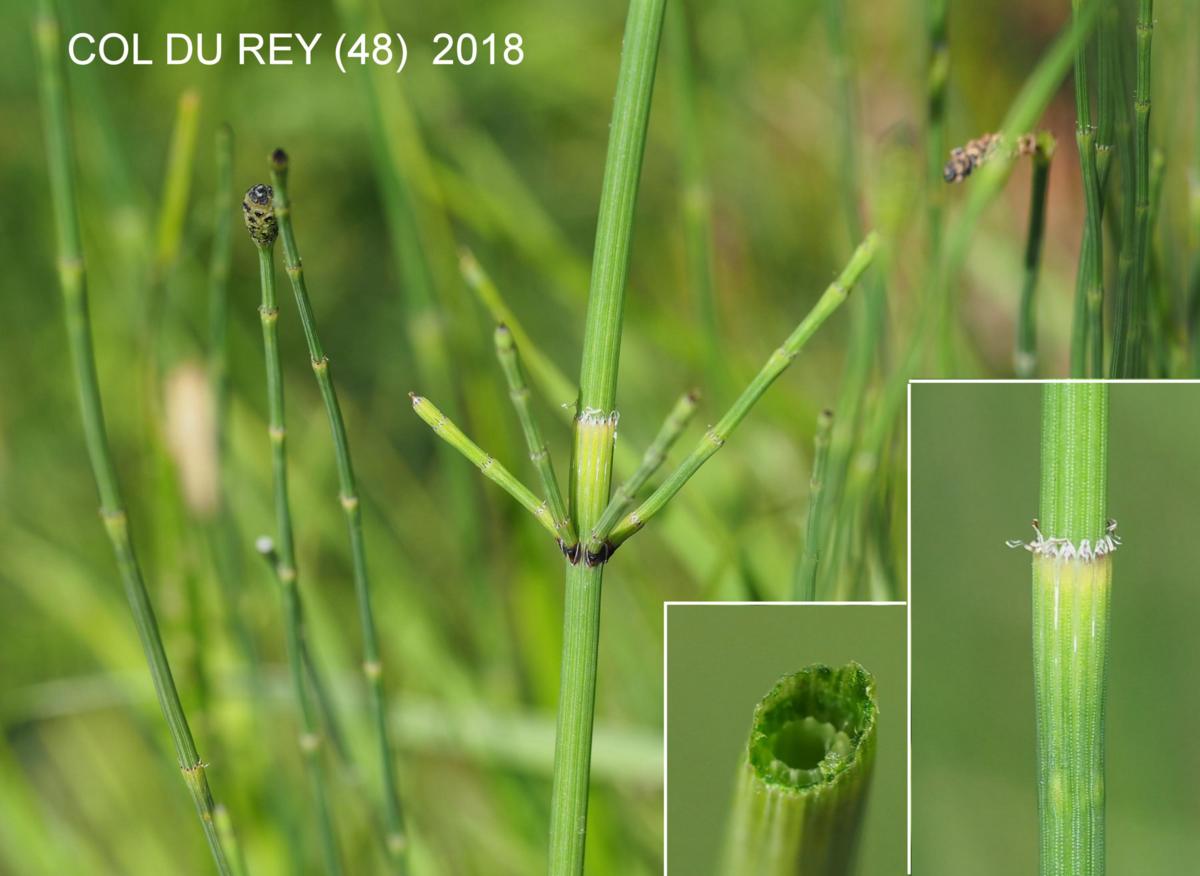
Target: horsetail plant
372,667
802,786
280,553
590,508
72,277
595,516
1072,578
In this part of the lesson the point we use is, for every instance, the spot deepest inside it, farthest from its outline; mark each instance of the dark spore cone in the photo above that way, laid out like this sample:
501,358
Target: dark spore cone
258,210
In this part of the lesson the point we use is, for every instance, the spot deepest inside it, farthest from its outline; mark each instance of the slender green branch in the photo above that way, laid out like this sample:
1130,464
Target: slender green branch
445,429
1072,575
397,840
806,575
595,427
715,438
262,224
1025,357
72,279
539,451
802,787
656,455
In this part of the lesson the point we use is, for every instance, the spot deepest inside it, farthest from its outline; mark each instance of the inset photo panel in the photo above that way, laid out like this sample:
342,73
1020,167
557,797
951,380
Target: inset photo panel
786,739
1054,558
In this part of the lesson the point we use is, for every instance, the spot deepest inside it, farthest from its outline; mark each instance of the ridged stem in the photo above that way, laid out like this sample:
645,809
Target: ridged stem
1074,460
1071,582
802,787
73,284
716,436
283,556
595,426
1070,654
372,666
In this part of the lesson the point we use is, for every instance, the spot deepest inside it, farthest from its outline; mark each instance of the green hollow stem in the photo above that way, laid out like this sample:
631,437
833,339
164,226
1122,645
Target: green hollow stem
372,666
802,787
1025,355
595,427
282,552
73,283
495,472
1072,576
806,575
655,456
539,451
716,436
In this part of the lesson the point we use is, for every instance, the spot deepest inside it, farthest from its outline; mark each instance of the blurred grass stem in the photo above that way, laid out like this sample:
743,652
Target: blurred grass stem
73,283
372,666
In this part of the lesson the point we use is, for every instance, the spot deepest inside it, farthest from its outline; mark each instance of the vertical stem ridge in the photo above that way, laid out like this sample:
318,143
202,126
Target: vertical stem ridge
1072,579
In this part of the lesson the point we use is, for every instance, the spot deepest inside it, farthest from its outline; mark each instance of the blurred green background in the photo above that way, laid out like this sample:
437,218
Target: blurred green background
723,659
975,474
